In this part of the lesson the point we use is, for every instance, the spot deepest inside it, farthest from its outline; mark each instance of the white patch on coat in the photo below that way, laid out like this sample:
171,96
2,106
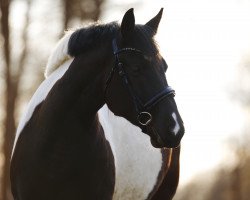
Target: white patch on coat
59,54
39,96
137,162
177,126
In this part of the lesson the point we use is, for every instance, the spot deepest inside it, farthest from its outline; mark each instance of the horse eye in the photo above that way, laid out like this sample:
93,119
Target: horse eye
148,58
135,68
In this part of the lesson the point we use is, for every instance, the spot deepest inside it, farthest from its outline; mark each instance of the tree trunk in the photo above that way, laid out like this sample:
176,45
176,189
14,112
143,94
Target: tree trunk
9,122
11,94
67,13
12,80
81,9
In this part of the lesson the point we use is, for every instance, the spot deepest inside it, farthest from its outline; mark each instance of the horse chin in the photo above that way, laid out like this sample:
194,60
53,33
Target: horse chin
156,144
159,144
156,140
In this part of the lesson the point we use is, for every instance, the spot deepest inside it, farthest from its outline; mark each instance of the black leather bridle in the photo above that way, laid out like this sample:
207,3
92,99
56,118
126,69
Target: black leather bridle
142,109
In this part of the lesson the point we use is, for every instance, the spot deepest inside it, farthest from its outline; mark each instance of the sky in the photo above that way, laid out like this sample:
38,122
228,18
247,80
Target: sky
203,42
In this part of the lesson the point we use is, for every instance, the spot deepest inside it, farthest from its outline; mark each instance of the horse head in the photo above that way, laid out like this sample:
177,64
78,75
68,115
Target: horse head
136,87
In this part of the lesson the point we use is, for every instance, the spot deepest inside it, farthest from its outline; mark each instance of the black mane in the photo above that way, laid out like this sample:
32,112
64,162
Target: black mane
93,36
87,38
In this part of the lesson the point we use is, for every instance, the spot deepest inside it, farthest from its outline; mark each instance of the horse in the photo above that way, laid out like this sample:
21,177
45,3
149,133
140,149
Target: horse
104,123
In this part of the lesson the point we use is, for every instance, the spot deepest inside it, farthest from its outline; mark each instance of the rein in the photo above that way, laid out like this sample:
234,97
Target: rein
144,116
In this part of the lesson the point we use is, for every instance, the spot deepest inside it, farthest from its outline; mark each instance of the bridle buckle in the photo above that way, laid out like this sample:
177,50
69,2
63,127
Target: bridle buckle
144,118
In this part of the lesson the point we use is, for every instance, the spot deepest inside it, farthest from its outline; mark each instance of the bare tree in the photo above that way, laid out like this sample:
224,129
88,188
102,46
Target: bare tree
81,9
9,121
74,9
11,93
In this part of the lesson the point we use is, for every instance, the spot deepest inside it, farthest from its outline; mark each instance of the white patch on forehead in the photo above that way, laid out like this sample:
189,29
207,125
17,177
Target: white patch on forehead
137,162
39,96
59,54
177,126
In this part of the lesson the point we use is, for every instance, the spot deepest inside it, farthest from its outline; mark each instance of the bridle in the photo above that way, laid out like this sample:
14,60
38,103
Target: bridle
144,117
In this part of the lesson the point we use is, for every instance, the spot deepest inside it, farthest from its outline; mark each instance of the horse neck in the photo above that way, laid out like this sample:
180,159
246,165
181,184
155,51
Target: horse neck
81,88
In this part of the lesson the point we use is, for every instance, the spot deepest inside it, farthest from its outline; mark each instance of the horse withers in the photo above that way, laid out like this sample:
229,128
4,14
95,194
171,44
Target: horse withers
70,145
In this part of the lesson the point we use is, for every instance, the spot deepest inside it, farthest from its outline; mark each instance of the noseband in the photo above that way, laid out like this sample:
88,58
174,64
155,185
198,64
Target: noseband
144,117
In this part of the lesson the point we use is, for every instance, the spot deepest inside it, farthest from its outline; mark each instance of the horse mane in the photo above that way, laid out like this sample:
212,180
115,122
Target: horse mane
59,54
92,37
87,38
79,41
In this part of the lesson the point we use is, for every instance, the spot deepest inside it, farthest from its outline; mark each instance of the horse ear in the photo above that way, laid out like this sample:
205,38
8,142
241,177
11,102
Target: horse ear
128,23
154,22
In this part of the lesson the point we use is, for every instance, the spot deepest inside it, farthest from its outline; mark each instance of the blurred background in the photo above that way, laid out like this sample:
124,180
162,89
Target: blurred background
206,44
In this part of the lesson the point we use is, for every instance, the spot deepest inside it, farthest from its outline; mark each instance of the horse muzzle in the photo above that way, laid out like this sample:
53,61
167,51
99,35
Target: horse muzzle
170,139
